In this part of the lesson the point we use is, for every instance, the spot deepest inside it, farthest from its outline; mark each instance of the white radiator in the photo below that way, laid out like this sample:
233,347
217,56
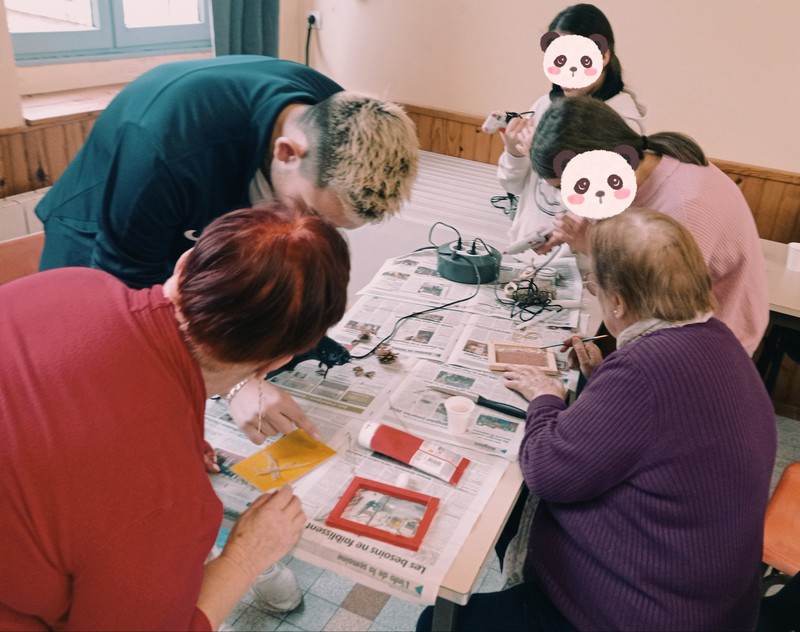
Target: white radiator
16,214
458,192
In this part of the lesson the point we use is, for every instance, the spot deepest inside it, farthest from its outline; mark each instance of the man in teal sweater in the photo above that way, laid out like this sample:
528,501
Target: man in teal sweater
189,141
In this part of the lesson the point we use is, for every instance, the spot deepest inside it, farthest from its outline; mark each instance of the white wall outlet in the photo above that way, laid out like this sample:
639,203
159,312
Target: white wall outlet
317,16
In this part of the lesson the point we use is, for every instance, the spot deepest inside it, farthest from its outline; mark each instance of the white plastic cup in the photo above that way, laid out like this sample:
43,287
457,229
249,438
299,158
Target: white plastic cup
793,256
459,413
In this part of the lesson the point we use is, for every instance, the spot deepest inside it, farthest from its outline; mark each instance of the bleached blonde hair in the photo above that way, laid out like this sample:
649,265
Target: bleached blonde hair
363,149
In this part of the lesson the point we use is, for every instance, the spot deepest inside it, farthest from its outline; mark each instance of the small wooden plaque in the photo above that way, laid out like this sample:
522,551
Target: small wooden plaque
502,354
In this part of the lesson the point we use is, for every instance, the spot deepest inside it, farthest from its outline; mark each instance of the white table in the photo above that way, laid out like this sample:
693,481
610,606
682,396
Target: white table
783,285
457,192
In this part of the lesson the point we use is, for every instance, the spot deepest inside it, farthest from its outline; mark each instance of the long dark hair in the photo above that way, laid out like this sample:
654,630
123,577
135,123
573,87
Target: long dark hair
586,20
584,124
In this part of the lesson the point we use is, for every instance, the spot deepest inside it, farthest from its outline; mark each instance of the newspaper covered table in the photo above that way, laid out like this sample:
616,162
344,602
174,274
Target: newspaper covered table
444,346
412,575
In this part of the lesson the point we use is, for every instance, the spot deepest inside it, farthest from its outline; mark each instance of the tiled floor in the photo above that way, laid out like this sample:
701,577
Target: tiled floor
332,603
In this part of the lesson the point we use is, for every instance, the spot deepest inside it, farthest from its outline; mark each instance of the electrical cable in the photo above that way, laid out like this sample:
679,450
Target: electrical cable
511,115
308,35
519,306
430,309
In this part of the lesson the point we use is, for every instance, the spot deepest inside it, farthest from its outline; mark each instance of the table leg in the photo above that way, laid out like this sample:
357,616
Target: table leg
445,613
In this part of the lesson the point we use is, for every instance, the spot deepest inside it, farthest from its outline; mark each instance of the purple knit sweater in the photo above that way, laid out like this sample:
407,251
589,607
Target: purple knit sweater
654,485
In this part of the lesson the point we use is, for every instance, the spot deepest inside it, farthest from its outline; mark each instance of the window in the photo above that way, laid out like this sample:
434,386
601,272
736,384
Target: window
66,30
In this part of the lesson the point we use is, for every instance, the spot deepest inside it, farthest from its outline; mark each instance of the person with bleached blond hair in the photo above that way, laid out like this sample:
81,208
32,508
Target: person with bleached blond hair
190,141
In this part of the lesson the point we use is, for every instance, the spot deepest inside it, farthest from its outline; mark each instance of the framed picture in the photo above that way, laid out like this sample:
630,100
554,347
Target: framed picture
384,512
501,354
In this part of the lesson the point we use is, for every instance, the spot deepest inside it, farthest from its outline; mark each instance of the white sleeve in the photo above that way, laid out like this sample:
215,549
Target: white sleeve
513,172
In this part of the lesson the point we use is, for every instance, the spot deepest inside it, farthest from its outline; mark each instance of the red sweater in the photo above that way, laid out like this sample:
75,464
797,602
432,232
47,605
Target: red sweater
106,511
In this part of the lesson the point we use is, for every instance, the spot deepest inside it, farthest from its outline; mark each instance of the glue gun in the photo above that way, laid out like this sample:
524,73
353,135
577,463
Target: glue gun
531,241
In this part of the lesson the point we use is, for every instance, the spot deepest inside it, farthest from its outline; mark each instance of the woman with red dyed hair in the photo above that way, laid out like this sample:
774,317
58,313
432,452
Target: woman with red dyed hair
107,512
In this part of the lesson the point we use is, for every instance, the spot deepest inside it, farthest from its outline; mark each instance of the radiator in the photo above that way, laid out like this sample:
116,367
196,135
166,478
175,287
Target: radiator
458,192
16,214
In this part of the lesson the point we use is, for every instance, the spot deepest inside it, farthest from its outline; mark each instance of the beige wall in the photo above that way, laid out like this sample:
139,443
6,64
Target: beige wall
10,115
723,71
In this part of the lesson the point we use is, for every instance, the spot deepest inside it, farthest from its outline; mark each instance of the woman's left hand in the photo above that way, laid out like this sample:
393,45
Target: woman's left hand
573,230
531,382
210,459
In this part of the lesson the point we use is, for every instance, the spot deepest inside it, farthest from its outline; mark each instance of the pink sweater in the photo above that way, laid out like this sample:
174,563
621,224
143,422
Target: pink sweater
711,206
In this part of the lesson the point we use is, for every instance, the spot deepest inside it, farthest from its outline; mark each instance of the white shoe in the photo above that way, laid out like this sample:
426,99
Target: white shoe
276,590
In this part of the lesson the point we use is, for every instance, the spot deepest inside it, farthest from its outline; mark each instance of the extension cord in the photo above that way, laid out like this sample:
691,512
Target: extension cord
458,262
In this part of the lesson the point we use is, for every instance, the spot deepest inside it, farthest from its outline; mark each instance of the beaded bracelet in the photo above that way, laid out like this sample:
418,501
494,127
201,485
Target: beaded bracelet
238,387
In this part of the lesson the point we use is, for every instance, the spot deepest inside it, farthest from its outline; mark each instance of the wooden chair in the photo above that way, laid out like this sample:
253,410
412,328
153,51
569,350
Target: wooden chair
781,611
20,256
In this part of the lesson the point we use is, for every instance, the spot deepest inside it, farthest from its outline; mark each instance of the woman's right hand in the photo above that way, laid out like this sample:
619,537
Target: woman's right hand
584,355
279,412
266,531
518,136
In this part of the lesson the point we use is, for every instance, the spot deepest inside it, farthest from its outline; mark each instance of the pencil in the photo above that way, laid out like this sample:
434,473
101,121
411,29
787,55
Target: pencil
559,344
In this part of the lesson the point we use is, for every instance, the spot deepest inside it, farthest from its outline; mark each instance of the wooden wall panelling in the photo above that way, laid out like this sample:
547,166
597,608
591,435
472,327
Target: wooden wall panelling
55,151
14,175
778,203
36,160
773,196
75,134
5,159
34,157
455,134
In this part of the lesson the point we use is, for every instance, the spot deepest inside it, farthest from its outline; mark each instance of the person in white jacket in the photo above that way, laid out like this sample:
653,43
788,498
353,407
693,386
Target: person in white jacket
538,203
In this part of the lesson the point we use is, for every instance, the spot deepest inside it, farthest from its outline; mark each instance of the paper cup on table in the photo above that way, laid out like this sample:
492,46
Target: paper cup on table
459,413
793,256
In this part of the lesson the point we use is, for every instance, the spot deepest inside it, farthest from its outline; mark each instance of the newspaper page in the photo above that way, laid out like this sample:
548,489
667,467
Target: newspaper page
372,318
472,347
351,387
414,278
231,446
417,407
411,575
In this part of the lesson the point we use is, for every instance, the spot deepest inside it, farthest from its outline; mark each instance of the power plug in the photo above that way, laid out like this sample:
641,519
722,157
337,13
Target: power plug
314,19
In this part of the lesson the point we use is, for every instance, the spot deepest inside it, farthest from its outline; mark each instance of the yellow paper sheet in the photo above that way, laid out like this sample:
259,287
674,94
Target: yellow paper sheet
286,459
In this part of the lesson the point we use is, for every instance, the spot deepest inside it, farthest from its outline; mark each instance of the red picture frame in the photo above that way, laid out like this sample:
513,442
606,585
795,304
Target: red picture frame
384,512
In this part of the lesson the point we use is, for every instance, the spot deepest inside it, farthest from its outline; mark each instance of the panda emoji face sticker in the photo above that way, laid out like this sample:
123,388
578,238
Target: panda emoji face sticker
597,184
573,61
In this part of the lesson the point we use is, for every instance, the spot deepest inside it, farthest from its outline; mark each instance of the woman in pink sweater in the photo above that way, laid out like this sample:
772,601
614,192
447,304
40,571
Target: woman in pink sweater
674,177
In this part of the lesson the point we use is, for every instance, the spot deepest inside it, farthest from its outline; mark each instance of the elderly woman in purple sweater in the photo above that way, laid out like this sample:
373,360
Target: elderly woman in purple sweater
653,484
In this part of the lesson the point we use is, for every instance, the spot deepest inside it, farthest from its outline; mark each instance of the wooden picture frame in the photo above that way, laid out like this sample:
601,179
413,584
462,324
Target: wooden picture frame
503,354
384,512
